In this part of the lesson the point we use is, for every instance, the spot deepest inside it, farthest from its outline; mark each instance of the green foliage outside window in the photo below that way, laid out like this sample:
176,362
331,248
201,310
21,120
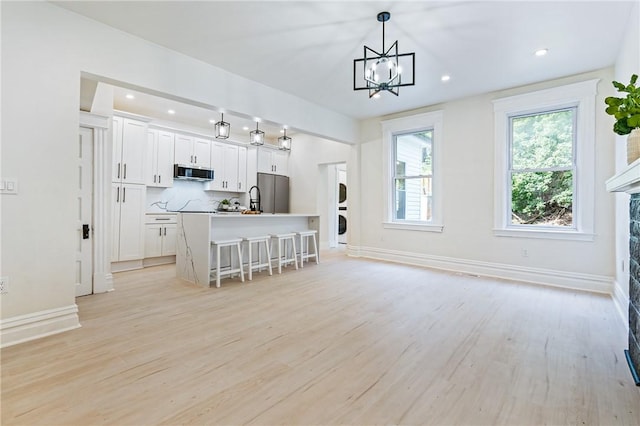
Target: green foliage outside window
542,168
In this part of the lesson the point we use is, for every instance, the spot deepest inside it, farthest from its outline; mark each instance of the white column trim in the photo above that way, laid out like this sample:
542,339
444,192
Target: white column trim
102,147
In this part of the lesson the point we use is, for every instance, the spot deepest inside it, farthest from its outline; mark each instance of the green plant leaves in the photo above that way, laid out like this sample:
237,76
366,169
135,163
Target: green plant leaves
625,110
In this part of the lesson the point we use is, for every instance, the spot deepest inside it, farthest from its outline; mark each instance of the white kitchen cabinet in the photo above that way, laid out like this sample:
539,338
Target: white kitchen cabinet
159,168
128,209
273,161
229,163
192,151
129,150
160,240
242,169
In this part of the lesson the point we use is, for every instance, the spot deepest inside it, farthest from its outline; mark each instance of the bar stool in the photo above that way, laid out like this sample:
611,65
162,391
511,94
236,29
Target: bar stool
283,259
219,273
259,264
304,242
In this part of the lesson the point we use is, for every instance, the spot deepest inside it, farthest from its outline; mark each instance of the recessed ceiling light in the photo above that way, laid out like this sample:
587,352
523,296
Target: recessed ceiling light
245,128
129,96
542,52
171,111
445,77
212,121
376,96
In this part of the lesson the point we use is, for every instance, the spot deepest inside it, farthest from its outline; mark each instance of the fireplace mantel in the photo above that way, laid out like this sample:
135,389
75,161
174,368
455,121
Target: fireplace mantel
627,180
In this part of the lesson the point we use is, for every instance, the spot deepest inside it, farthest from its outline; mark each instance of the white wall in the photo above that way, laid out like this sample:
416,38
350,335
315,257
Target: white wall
467,241
627,63
309,191
44,51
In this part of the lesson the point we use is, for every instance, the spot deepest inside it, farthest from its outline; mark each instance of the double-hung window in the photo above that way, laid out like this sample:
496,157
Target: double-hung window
542,168
411,180
544,163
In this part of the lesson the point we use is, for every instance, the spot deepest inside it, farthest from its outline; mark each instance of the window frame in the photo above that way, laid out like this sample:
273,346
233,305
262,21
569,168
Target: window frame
405,125
582,97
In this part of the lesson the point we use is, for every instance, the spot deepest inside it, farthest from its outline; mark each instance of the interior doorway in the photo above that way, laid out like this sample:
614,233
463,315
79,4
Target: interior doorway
336,202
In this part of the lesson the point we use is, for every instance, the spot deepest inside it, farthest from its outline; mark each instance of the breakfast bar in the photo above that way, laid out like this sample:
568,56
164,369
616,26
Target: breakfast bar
196,231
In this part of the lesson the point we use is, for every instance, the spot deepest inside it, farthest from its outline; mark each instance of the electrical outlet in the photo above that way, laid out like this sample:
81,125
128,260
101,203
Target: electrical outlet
525,252
4,285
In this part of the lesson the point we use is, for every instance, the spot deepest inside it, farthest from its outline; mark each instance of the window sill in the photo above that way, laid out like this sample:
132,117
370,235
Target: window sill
413,226
548,234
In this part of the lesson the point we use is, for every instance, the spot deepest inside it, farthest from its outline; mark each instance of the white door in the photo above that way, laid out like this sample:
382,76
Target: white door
202,153
134,144
153,240
132,209
165,159
242,169
183,150
84,251
231,168
217,163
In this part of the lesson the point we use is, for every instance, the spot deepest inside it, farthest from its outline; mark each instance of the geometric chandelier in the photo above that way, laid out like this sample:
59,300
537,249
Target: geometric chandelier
383,70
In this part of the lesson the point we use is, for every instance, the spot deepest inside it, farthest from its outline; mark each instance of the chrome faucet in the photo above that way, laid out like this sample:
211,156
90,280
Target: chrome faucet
254,202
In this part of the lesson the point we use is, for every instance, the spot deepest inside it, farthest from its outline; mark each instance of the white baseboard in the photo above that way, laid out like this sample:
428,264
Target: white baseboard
571,280
33,326
621,301
127,265
155,261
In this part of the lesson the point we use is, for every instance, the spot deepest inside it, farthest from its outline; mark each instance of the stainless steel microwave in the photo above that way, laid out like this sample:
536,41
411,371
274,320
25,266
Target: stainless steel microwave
192,172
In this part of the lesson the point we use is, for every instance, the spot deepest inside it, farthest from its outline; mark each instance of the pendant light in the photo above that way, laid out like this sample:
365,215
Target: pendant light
284,142
256,137
222,128
379,71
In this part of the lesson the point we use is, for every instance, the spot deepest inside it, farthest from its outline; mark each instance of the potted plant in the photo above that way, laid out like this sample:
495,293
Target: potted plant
224,204
626,111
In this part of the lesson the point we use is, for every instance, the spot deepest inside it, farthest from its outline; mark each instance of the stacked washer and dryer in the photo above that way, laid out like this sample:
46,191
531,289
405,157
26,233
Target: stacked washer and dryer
342,206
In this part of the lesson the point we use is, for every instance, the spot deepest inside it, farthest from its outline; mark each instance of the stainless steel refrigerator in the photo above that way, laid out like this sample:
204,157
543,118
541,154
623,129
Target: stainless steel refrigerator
274,193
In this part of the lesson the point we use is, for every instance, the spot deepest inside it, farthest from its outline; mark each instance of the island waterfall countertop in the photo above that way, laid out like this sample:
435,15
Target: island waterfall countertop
196,231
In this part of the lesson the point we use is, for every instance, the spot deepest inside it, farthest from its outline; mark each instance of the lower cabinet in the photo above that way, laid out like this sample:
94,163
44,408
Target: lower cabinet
160,237
128,208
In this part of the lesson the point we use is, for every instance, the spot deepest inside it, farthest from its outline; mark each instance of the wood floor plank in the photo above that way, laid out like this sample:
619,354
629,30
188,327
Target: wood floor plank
348,341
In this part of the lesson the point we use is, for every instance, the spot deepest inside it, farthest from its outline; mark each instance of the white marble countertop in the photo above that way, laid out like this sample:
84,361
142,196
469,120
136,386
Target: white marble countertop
227,215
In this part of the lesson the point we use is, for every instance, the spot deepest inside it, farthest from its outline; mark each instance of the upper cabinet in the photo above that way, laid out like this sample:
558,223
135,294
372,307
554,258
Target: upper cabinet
159,168
229,163
129,150
273,161
192,151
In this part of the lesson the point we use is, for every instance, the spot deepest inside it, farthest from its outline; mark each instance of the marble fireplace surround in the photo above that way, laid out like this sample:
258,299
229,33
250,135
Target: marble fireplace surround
629,181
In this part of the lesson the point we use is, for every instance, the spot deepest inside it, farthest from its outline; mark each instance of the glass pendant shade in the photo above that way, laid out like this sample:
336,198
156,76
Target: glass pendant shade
284,142
256,137
222,128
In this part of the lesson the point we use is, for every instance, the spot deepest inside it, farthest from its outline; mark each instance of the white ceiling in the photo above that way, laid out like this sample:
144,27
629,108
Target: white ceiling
307,47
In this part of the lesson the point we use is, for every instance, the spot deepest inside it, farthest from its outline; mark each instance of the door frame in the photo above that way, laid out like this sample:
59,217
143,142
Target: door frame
102,146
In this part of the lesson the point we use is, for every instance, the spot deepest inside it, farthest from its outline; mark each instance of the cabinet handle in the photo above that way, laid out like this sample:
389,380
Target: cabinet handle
124,194
118,171
163,218
154,178
195,159
191,159
165,231
124,175
239,185
160,229
159,178
117,194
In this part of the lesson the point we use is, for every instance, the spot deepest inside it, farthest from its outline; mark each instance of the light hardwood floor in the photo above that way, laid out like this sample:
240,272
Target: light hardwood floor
349,341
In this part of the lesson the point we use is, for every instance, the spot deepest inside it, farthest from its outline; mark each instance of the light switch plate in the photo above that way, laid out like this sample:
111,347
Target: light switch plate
9,186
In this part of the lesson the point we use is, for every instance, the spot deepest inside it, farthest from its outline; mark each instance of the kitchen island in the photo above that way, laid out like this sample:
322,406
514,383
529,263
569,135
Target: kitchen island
197,230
